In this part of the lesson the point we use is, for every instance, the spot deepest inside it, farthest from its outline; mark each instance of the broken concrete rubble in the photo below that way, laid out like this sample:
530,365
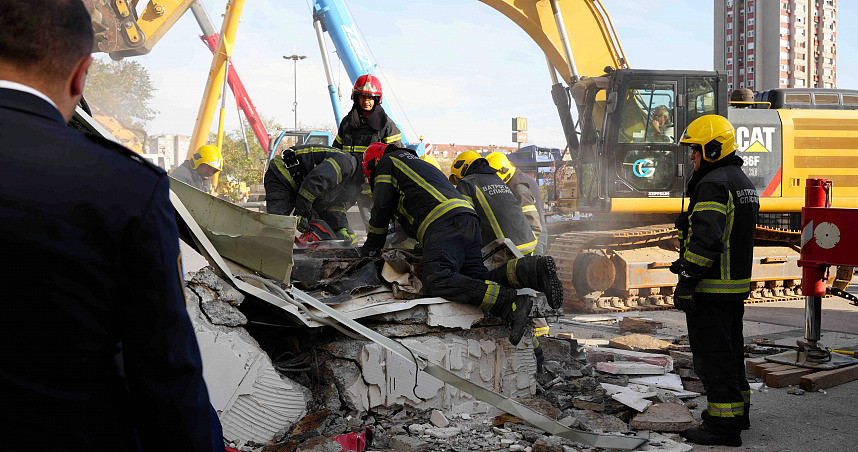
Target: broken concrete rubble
254,402
664,417
639,342
369,376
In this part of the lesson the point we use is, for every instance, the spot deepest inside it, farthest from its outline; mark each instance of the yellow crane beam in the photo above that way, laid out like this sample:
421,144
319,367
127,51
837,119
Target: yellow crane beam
589,33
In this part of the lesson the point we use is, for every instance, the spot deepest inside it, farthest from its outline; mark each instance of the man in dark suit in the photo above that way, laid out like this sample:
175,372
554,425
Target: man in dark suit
98,352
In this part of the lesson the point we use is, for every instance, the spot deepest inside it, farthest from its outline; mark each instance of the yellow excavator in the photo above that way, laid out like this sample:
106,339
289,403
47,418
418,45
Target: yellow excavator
631,176
630,173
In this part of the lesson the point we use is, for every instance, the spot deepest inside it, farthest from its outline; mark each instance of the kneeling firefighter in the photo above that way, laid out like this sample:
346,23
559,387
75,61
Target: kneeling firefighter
502,217
430,209
529,196
716,252
316,182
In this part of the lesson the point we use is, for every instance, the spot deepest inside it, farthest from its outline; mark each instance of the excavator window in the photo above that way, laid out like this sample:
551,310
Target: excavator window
648,114
700,92
646,156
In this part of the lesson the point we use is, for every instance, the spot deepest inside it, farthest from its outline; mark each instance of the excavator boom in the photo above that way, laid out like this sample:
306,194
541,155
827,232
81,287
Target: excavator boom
590,42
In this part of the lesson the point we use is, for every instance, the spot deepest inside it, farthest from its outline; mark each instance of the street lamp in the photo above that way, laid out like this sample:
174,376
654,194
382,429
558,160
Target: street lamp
295,58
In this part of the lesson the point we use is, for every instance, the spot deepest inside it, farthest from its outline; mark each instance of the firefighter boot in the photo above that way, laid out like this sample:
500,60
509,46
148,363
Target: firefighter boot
514,310
535,272
709,436
744,421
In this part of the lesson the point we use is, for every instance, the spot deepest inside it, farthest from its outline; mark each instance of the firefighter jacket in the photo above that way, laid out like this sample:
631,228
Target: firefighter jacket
414,192
500,213
526,191
357,132
717,232
308,173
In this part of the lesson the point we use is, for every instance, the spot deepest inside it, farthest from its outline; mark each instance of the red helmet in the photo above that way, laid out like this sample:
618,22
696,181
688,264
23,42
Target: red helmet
368,85
370,157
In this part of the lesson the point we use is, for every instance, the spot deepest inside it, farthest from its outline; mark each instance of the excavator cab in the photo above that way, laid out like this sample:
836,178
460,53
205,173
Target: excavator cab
630,124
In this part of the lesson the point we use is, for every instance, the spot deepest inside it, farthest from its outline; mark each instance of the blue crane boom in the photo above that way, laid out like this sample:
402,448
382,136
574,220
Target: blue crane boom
334,18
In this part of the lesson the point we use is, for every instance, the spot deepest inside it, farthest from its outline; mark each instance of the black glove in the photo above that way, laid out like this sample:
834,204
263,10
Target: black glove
676,267
369,252
686,269
683,295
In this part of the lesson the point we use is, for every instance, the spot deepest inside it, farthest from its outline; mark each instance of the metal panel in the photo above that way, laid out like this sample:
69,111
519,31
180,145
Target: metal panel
259,241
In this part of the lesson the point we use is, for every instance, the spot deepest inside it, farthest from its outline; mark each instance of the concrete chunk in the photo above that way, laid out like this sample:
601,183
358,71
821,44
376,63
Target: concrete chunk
404,443
638,325
664,417
438,419
602,354
639,342
632,400
667,381
630,368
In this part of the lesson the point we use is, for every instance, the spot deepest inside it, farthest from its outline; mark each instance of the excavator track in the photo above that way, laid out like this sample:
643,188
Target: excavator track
587,264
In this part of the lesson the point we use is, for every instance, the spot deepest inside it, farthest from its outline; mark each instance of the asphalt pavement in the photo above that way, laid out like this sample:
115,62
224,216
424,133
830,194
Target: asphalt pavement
825,420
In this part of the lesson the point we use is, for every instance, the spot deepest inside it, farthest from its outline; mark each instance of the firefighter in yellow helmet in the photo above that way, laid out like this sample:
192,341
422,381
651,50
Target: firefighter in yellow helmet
460,165
502,217
716,237
201,166
527,192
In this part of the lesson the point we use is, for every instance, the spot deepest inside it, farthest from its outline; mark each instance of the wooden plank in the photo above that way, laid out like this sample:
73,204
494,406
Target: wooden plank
751,364
769,370
786,378
828,378
758,370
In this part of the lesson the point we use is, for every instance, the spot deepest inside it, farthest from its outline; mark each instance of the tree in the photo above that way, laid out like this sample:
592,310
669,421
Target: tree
122,90
239,166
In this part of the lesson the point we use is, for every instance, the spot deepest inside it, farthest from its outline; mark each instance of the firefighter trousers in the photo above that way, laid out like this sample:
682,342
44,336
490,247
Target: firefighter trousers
453,264
715,333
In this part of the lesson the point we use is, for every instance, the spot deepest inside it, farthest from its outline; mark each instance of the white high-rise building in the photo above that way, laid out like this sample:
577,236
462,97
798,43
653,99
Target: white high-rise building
173,148
766,44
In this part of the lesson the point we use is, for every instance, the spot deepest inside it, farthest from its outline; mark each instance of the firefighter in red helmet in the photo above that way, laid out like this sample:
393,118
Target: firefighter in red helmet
366,123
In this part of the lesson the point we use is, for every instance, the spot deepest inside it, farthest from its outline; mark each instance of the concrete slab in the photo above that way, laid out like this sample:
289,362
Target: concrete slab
253,401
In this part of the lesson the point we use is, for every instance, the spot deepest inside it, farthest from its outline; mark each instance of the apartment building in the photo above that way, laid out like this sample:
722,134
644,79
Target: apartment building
766,44
173,149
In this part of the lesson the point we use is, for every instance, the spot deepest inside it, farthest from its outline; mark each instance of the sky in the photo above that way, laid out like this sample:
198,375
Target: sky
453,71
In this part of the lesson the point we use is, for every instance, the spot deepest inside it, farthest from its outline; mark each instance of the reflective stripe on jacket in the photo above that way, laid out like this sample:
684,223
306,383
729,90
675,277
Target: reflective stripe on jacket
500,214
717,232
414,192
326,173
357,132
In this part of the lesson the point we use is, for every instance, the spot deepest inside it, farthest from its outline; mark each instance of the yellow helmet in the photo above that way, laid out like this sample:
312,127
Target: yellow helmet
208,154
502,164
430,159
712,135
461,164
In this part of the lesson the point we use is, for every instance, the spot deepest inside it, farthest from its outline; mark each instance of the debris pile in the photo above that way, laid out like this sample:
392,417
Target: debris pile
323,389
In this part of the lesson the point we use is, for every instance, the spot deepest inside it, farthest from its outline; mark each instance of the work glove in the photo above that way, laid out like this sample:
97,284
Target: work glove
683,295
369,252
303,223
686,269
676,267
